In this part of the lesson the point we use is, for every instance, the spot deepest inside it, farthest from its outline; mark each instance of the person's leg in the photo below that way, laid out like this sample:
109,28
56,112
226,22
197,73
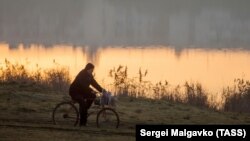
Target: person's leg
83,113
90,99
84,104
82,108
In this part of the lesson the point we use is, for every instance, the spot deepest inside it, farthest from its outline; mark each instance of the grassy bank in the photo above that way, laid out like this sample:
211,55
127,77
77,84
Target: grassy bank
26,115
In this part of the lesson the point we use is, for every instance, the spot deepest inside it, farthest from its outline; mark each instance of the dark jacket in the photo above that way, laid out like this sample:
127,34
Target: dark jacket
82,82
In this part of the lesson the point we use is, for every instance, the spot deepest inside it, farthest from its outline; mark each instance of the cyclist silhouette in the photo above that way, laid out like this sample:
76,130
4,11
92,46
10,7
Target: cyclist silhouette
81,92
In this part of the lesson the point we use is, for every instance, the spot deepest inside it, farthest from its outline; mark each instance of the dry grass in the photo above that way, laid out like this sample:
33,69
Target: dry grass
56,78
235,98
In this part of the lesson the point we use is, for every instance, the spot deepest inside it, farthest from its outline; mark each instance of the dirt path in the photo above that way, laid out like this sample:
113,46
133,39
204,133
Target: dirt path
16,130
86,130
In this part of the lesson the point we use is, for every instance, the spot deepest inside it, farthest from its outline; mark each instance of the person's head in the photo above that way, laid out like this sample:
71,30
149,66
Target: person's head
89,68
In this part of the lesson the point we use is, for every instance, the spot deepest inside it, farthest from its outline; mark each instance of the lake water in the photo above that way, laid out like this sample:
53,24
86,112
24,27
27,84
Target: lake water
213,68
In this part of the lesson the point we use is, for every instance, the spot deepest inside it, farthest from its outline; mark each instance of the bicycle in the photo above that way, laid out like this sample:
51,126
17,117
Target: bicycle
66,113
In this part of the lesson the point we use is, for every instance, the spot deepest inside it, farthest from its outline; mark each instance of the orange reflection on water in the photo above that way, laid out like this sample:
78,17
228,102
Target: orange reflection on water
65,56
213,68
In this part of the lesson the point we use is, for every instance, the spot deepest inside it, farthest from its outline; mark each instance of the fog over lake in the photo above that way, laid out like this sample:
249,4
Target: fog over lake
178,23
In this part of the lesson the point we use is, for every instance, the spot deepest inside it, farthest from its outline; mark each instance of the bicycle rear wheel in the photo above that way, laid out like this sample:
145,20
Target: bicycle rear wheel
65,113
107,118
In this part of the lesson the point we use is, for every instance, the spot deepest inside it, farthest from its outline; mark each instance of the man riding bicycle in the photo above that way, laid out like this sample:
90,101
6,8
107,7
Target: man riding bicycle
81,92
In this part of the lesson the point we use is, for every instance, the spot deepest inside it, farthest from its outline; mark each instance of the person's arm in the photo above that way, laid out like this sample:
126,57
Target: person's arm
96,85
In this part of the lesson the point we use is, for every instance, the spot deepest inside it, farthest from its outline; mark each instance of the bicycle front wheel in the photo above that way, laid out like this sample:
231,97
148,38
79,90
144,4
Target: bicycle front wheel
107,118
65,113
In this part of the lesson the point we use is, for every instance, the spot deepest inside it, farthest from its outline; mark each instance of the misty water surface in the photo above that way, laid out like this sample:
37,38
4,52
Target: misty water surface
214,69
179,23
